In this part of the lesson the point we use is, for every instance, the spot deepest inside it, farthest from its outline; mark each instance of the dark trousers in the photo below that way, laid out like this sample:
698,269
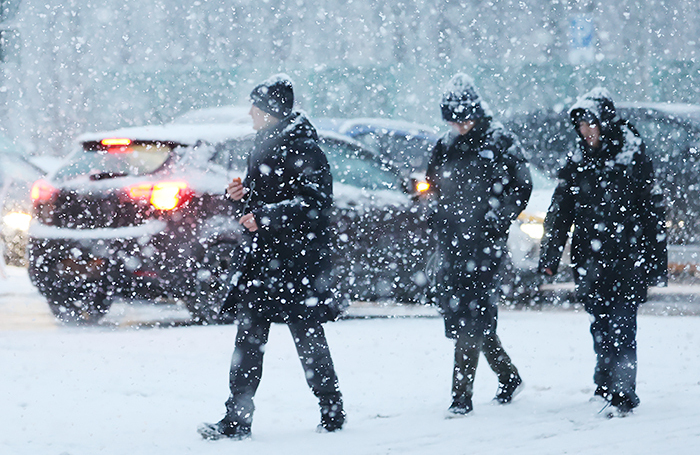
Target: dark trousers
247,362
468,346
612,295
614,331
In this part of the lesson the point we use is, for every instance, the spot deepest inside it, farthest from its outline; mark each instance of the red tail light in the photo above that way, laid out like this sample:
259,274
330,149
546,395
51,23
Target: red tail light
42,192
163,195
117,145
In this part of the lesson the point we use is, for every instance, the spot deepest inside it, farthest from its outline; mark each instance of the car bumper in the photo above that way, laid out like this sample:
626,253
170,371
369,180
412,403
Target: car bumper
145,261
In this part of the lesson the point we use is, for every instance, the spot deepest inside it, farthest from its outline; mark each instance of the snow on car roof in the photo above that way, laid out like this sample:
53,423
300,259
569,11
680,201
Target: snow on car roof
221,114
371,123
678,109
181,133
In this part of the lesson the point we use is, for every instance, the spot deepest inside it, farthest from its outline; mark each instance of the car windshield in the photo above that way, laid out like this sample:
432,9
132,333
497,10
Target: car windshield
133,160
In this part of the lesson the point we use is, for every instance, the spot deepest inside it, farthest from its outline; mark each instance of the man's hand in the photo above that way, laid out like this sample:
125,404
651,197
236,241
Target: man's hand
235,189
248,222
548,271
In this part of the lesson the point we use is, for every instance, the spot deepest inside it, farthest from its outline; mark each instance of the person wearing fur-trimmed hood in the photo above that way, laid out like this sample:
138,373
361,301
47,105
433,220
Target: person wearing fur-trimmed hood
608,193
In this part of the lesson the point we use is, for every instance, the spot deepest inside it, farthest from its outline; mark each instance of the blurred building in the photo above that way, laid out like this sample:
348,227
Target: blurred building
81,65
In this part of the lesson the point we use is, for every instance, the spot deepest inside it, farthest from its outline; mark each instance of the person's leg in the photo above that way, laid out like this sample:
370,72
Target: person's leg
601,333
509,379
596,302
315,356
467,348
623,349
244,378
246,370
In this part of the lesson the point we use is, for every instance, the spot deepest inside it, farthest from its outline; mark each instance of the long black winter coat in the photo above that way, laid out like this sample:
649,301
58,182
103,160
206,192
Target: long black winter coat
483,183
610,197
287,277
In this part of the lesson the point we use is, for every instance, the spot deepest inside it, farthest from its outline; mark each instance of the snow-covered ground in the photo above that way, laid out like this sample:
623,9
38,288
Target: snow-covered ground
132,387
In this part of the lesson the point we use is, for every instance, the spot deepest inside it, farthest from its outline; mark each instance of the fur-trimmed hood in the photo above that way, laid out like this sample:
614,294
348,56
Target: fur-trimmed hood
598,104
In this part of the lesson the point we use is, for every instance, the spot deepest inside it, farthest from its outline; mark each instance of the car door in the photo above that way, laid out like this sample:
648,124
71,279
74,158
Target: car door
380,232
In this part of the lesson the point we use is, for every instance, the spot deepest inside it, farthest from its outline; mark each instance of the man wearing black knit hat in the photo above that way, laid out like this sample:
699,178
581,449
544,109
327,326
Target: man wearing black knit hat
285,202
482,183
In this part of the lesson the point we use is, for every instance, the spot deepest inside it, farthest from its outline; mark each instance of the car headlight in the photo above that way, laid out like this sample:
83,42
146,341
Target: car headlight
17,221
533,230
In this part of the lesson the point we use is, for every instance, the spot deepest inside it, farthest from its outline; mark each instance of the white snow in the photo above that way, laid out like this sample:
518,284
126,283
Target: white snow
147,229
187,134
221,114
129,387
389,124
681,110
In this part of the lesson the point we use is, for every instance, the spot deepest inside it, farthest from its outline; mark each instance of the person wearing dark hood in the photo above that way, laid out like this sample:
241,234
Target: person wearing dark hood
481,182
287,196
607,192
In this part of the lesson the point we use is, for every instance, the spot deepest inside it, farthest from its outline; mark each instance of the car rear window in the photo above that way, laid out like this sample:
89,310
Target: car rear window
98,160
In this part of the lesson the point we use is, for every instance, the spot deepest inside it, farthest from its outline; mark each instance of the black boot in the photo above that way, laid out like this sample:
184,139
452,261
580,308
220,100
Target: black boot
461,406
624,403
506,391
224,429
332,413
602,392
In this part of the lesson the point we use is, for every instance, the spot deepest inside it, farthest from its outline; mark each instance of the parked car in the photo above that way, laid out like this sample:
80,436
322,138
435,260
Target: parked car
671,133
16,177
406,145
140,213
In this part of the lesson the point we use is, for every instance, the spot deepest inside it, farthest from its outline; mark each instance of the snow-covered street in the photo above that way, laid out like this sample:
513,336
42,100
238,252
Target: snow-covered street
131,386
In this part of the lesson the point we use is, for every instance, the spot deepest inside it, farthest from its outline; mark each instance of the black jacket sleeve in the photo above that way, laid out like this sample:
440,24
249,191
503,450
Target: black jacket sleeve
652,215
307,172
514,191
436,160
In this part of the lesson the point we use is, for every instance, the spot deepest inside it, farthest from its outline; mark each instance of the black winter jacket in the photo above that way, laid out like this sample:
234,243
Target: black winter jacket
287,277
482,183
617,211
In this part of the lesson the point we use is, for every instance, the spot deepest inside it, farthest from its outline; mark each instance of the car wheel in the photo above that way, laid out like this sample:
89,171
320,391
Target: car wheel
84,307
73,287
211,285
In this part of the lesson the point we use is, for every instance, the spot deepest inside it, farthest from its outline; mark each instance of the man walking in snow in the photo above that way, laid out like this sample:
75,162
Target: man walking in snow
287,195
482,183
607,191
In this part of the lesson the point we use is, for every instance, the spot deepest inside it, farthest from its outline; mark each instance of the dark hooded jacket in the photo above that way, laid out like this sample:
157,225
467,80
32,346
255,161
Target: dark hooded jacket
287,276
482,183
610,197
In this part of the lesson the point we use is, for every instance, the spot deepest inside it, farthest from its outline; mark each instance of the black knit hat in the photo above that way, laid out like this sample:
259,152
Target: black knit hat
461,102
274,96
